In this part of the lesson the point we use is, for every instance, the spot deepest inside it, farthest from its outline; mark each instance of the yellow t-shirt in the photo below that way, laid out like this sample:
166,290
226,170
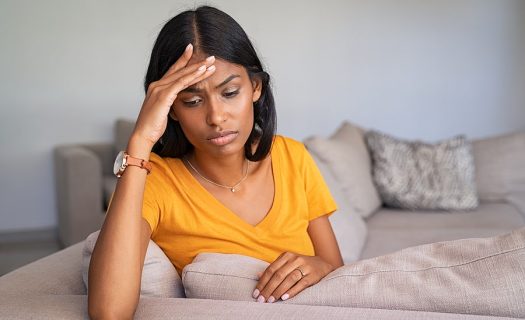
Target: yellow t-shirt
186,219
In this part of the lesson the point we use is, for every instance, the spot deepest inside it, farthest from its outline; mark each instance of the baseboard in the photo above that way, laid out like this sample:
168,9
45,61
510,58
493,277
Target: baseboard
45,234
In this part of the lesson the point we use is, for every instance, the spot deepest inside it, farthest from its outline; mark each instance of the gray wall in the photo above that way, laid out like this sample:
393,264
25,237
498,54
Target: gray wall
411,68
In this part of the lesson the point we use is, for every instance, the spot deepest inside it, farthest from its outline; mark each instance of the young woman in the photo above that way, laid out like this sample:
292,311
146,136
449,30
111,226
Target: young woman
206,173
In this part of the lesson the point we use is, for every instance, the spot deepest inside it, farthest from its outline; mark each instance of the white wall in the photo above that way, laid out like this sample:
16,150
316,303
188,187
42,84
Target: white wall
415,69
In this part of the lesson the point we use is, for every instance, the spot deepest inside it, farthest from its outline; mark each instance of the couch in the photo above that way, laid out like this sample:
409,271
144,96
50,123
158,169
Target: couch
372,238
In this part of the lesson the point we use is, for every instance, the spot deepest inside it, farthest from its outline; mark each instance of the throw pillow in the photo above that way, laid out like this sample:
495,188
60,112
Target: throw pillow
500,166
346,155
418,175
349,228
483,276
159,277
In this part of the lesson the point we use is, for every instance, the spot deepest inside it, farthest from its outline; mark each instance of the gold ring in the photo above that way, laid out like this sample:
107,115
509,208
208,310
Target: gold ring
301,271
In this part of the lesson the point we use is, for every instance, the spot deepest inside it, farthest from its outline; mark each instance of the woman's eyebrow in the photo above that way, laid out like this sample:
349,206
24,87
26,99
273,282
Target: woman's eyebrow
193,89
231,77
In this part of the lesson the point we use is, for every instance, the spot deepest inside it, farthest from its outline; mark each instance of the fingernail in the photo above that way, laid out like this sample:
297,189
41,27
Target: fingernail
260,299
255,293
271,299
201,68
285,296
188,47
210,58
210,68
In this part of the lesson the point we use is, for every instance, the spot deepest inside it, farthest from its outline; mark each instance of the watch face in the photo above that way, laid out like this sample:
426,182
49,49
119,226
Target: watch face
119,162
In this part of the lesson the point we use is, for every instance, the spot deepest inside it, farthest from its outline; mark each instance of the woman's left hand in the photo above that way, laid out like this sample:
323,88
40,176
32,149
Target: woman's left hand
282,279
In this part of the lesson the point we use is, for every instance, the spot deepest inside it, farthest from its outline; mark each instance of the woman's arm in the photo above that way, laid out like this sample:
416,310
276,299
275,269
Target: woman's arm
324,241
118,257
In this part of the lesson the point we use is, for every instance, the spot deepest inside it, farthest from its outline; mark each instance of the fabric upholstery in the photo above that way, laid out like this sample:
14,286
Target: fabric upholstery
123,130
395,229
348,226
72,307
486,215
79,192
472,276
59,273
419,175
346,155
500,165
159,277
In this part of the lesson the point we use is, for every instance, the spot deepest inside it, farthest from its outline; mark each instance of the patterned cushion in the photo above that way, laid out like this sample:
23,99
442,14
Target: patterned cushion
418,175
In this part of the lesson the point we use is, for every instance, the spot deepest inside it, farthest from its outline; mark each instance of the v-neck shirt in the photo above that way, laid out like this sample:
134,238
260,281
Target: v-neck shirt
186,219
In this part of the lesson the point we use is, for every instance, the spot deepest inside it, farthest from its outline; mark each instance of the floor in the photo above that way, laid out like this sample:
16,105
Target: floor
20,248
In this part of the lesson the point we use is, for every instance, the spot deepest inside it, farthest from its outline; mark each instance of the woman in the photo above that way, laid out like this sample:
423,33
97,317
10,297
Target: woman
218,179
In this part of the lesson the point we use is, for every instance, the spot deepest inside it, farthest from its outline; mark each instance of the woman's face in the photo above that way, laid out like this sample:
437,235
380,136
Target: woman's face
216,114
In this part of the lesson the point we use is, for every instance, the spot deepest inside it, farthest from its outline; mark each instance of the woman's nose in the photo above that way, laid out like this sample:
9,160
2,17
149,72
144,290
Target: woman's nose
216,113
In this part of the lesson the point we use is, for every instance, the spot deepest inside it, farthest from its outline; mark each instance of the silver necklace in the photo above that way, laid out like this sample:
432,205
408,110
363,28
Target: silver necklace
233,188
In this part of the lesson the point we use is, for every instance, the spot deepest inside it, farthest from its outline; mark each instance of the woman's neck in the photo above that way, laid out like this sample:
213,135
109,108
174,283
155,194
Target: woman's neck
226,170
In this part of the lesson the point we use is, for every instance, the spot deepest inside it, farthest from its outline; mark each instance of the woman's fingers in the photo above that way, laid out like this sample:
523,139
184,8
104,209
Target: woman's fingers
293,284
181,62
170,91
282,280
271,277
298,287
186,71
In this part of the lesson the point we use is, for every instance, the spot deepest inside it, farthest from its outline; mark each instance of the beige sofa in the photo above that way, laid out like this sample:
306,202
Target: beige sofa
53,287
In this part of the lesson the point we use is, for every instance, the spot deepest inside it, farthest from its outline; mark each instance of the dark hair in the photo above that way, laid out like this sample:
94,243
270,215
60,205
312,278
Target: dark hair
212,32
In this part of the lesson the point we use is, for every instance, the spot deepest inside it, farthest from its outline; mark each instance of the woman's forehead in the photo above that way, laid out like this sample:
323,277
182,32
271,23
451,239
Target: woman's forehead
225,70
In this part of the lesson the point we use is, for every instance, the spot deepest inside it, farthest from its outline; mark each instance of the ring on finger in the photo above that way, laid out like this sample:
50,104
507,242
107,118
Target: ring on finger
301,271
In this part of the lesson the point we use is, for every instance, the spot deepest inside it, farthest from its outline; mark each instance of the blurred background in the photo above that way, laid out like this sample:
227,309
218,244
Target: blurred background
415,69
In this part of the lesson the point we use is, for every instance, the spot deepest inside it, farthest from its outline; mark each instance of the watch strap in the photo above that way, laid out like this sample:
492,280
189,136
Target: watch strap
141,163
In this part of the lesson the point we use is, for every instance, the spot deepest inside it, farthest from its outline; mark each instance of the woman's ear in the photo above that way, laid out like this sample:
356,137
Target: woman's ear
172,115
257,89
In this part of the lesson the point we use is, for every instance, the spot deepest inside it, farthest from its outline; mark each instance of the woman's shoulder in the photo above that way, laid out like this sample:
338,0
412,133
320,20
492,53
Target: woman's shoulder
289,148
287,142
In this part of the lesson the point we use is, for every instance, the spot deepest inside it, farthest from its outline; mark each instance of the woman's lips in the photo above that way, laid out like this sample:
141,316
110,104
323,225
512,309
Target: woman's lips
227,138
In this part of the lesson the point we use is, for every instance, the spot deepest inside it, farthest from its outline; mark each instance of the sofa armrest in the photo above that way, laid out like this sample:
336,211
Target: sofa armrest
56,274
106,153
500,166
79,189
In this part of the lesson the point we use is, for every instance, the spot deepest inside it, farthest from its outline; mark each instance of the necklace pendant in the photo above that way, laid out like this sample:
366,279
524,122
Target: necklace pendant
233,189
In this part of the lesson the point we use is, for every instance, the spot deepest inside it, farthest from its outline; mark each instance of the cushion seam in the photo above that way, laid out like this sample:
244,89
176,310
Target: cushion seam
432,267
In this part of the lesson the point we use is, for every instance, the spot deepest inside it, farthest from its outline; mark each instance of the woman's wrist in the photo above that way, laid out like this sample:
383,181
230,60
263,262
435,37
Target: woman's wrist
139,148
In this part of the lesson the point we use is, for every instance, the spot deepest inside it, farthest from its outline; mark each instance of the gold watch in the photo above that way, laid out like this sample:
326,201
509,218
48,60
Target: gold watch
124,160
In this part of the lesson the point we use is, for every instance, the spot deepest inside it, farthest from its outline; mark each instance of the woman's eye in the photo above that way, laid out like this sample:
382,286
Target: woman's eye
192,102
231,93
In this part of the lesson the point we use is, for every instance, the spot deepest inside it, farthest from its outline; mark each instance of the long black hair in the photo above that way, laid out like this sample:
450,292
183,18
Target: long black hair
212,32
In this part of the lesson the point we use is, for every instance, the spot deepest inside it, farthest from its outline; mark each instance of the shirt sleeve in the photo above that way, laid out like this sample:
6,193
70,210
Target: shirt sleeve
320,200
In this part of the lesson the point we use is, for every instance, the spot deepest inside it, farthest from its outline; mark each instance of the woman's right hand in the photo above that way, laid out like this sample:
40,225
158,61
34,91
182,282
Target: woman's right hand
153,117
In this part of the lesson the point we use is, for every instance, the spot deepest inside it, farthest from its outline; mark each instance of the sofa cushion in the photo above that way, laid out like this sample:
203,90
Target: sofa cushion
346,155
123,130
394,229
57,274
72,307
487,215
349,227
500,165
418,175
473,276
159,276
